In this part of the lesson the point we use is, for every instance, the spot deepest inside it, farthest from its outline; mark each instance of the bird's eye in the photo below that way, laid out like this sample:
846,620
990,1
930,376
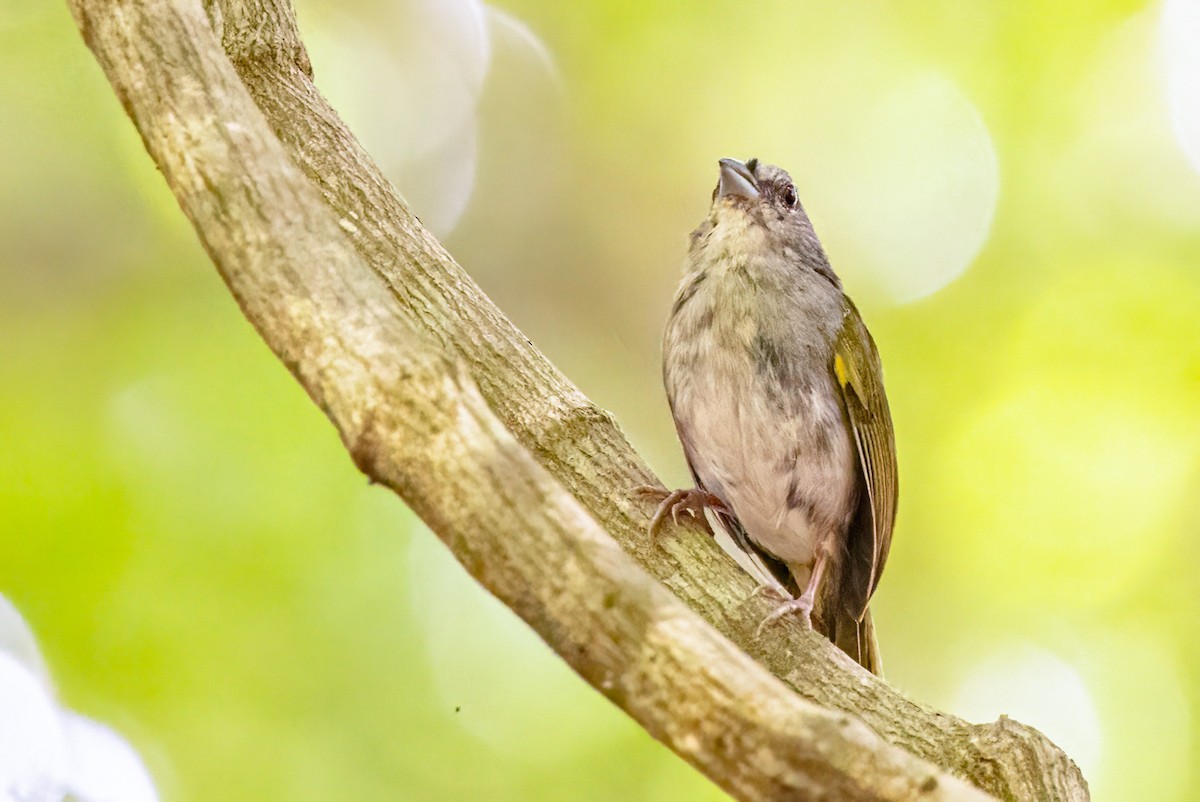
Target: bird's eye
789,196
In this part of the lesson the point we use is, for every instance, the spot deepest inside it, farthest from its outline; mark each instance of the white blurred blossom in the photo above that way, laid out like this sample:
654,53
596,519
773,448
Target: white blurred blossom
48,753
103,766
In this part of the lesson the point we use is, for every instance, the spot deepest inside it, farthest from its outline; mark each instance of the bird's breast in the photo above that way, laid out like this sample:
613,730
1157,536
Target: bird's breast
759,415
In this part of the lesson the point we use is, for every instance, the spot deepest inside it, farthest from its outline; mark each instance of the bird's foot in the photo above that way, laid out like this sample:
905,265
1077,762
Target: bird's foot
802,605
671,503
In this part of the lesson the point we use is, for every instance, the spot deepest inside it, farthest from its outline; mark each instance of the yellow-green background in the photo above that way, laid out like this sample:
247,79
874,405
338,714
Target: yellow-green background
207,572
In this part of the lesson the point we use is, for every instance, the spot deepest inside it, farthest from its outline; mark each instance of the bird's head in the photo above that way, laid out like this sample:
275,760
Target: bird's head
755,208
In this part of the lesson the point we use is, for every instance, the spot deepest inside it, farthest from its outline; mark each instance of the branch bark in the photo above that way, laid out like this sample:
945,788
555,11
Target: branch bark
437,395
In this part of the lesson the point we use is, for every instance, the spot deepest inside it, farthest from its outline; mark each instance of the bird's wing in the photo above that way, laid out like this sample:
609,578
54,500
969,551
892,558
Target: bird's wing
859,375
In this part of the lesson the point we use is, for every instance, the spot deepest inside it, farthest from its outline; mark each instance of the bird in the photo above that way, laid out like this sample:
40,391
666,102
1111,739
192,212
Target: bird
776,389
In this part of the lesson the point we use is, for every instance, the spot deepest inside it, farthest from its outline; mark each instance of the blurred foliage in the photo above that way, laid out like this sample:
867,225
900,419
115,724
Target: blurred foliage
207,572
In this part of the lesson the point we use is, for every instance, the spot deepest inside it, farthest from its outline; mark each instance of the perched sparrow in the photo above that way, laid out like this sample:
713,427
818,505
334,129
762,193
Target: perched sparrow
777,393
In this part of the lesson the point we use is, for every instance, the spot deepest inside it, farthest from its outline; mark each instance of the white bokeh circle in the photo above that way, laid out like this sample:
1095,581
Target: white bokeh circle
1180,39
511,692
1037,688
912,187
408,79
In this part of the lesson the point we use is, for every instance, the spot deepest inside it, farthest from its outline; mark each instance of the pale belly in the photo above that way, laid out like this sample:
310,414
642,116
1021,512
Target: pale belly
787,474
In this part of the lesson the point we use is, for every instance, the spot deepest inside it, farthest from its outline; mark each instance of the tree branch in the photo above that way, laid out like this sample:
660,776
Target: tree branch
439,397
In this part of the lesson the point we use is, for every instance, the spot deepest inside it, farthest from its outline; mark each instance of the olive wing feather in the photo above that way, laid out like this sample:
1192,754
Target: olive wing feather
859,375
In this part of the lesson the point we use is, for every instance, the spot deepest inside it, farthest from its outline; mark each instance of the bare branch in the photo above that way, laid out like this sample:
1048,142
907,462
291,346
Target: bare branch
438,396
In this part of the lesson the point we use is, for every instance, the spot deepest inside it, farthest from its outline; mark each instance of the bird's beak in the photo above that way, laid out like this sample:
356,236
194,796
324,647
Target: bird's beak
736,179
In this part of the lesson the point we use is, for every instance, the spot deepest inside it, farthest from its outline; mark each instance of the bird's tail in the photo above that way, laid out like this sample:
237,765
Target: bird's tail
854,637
857,639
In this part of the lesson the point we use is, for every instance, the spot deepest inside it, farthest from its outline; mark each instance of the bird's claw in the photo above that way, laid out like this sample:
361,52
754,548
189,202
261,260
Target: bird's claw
802,605
776,592
692,501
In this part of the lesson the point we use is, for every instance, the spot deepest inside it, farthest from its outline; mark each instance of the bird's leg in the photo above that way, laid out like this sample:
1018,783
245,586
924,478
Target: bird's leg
692,501
804,604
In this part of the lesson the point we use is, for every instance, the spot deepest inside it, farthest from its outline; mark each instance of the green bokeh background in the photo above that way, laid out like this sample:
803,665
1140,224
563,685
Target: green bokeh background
208,573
